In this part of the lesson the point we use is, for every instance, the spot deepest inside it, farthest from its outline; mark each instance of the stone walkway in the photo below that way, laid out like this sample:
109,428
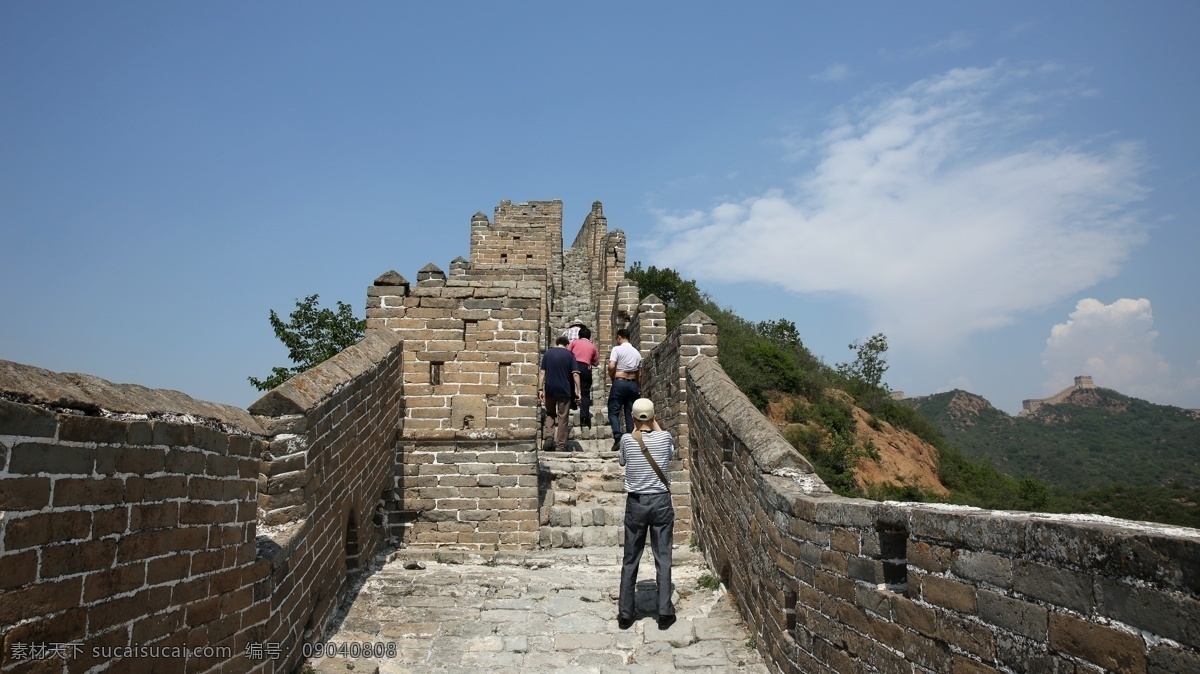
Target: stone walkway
536,611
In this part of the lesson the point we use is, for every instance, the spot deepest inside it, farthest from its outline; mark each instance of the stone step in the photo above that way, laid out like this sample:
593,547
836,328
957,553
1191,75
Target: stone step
581,537
597,515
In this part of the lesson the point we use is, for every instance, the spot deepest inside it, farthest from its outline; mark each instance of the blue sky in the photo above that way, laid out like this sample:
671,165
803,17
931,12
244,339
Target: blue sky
1008,190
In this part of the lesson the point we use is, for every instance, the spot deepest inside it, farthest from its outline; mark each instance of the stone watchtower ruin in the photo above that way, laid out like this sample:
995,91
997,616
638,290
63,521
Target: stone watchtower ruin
467,468
137,518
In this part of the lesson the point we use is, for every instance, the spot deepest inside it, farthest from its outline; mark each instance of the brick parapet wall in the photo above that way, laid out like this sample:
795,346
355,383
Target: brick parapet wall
125,523
527,234
131,517
664,370
471,352
840,585
466,494
613,307
649,325
328,468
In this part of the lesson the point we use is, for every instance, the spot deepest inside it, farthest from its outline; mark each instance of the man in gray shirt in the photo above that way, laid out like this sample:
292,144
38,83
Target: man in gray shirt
647,509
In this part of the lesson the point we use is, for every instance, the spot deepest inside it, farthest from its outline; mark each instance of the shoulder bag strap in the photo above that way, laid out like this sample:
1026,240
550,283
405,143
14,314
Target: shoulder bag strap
637,435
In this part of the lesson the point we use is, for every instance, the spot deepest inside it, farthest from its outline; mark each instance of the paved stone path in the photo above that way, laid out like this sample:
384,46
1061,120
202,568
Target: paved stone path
537,611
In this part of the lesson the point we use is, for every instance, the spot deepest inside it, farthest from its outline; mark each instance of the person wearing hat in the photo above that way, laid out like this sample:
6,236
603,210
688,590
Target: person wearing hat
645,454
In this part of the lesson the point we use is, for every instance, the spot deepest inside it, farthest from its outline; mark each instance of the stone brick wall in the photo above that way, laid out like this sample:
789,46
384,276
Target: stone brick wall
846,585
664,371
128,518
528,234
131,517
326,476
464,494
465,465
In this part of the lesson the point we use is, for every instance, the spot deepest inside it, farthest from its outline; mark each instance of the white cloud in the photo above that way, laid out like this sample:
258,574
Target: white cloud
921,205
956,42
1115,344
834,73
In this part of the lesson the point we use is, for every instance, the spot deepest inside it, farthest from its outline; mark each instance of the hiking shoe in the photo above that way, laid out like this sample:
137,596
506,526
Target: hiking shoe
616,445
665,621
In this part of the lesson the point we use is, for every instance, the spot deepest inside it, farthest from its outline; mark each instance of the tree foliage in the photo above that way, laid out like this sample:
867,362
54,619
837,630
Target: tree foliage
312,336
681,296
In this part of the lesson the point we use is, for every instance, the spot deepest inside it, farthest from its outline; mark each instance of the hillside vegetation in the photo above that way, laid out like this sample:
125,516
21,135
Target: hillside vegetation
824,405
1100,451
864,444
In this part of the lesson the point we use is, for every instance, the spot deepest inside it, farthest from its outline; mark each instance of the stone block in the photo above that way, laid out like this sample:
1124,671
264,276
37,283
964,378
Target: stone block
1022,617
1061,587
929,557
1104,646
83,491
36,457
1165,614
26,420
73,428
984,567
18,569
947,593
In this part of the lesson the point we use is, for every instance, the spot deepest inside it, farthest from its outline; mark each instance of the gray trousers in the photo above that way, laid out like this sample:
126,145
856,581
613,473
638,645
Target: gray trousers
653,513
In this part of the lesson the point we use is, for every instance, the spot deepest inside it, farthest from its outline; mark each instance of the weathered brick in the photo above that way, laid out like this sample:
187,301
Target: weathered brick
109,521
40,599
17,569
929,557
153,516
167,569
1021,617
1168,658
1062,587
45,528
909,614
126,609
845,540
1165,614
107,583
26,420
37,457
67,627
90,491
967,635
1109,648
172,434
984,567
139,460
948,593
74,428
71,558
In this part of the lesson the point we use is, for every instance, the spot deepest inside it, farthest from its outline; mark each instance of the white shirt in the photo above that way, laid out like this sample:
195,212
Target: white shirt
626,357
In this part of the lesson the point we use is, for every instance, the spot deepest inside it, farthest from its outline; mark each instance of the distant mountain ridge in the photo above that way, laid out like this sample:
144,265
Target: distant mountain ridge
1081,438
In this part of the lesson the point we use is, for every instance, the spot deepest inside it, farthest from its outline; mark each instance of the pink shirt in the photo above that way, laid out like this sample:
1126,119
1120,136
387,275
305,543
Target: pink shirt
585,352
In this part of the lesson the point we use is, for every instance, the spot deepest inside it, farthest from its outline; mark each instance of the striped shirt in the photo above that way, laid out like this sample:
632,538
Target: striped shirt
639,476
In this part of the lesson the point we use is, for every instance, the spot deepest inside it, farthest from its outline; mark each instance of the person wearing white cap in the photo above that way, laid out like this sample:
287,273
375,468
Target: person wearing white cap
645,454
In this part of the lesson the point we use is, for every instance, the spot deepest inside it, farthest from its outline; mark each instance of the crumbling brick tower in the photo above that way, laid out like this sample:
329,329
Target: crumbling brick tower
466,460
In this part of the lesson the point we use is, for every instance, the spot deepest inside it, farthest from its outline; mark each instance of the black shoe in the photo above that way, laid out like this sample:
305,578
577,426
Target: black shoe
624,623
665,621
616,445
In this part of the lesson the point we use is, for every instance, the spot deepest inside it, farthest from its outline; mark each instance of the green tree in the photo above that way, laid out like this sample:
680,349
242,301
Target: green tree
681,296
312,336
865,374
782,332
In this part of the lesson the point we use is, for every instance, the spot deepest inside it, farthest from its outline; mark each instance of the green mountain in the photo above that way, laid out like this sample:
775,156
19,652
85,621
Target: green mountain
1094,438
